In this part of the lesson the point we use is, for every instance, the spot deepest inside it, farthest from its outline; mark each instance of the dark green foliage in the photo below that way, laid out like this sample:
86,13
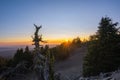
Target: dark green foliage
51,66
50,60
103,49
18,56
76,42
63,51
3,63
23,56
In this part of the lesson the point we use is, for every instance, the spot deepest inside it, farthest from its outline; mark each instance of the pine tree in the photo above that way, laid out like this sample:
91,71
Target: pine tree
43,64
18,57
103,50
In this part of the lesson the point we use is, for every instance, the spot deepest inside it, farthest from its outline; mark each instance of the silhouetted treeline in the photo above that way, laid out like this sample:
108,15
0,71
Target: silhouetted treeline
60,52
3,63
23,62
20,56
63,51
103,49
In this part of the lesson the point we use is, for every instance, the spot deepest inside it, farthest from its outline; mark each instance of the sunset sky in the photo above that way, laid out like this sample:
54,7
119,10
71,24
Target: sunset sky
60,19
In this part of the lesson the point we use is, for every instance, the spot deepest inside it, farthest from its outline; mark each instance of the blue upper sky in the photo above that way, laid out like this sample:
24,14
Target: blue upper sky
59,18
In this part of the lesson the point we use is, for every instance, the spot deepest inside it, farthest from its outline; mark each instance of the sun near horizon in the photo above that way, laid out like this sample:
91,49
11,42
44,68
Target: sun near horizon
28,42
61,20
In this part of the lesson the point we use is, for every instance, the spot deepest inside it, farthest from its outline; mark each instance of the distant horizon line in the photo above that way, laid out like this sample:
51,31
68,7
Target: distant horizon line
29,42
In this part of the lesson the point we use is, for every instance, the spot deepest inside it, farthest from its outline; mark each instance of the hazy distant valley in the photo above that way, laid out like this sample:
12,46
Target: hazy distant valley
9,51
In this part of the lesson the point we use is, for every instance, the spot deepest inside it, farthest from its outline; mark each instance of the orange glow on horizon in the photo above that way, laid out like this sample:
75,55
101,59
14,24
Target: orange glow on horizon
14,43
28,41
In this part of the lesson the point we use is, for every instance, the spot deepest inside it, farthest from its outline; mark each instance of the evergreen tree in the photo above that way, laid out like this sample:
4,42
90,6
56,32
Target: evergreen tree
21,56
76,42
50,60
18,57
28,56
42,60
27,49
103,50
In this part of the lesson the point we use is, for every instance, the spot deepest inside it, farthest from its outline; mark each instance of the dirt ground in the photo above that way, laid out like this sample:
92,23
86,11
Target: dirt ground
73,65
